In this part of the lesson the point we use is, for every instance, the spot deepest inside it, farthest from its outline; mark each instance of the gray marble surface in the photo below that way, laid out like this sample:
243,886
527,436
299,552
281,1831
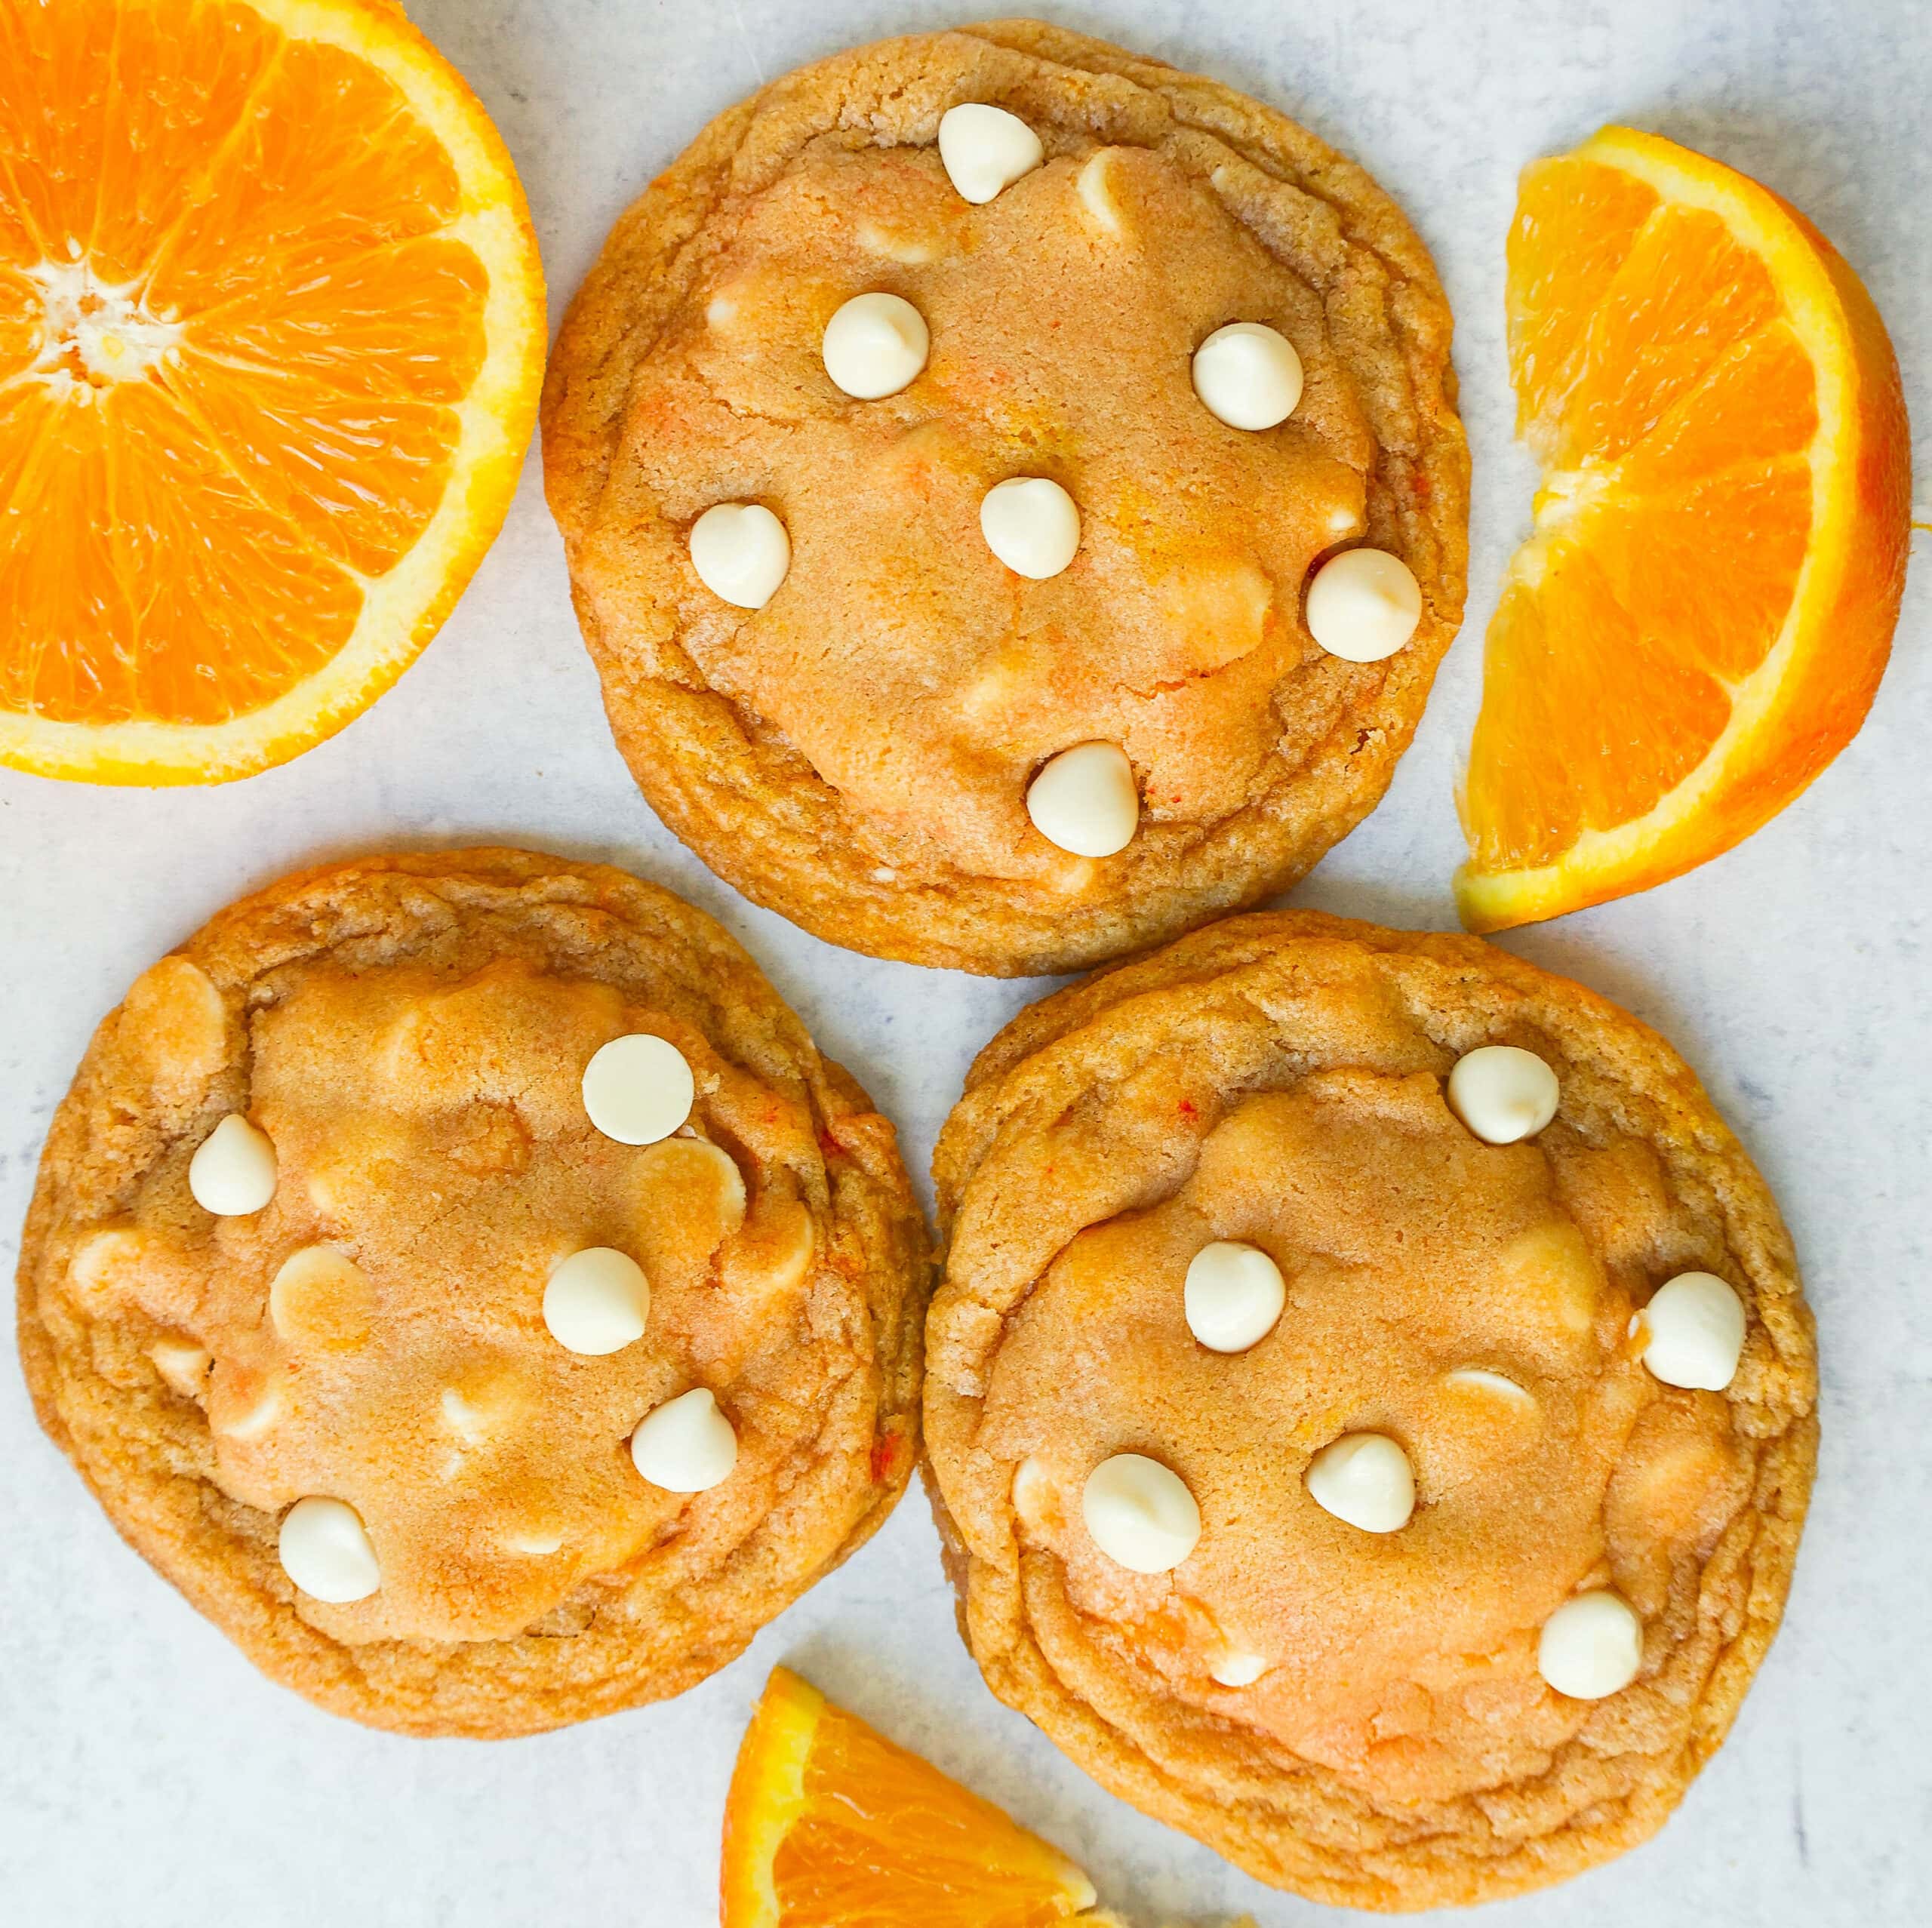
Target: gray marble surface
149,1776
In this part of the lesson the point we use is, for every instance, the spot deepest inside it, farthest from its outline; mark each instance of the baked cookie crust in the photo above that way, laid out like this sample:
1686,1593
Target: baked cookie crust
410,1032
1401,1752
855,754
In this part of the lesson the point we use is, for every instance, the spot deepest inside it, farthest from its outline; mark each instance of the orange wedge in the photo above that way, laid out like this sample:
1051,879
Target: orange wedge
1697,624
829,1825
271,332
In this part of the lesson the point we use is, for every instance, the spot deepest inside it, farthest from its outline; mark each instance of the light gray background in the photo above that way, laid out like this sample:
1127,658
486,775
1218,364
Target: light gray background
149,1776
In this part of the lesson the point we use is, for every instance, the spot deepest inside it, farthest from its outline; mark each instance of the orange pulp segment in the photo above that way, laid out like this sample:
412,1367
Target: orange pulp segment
1698,623
271,330
829,1825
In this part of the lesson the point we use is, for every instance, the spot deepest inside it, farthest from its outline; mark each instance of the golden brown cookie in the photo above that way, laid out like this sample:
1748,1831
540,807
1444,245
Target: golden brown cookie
859,751
1337,1668
377,1366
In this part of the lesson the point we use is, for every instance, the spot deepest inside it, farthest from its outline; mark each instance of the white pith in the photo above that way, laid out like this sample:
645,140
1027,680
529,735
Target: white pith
94,333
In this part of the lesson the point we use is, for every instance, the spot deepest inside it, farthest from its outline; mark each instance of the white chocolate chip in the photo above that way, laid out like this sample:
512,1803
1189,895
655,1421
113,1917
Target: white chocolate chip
537,1542
1364,1479
1237,1668
597,1301
876,240
741,553
106,1264
174,1019
1233,1295
638,1088
237,1416
985,149
686,1445
467,1420
1503,1093
782,1244
1364,605
1096,195
325,1550
1591,1646
1478,1378
1032,1492
320,1296
698,1182
1693,1332
875,346
1085,800
183,1364
484,1403
1139,1513
1248,375
232,1172
1031,525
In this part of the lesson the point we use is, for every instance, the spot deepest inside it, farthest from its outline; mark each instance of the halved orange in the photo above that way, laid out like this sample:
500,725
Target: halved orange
1698,623
829,1825
271,334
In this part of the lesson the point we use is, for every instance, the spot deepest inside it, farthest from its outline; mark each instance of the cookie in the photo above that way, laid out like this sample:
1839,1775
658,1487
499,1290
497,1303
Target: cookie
1013,495
1369,1405
460,1275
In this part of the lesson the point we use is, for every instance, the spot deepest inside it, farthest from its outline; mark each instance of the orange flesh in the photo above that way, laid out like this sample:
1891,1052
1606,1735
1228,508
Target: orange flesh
231,336
1620,655
872,1836
1662,379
